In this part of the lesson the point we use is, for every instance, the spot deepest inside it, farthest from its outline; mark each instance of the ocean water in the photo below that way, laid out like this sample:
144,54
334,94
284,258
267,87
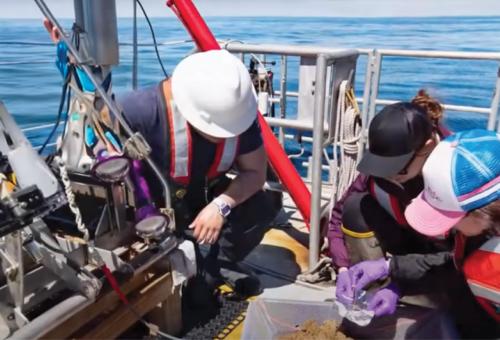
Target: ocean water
30,85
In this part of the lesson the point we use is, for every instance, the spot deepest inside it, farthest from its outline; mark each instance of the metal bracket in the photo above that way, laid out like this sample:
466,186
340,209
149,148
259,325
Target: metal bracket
136,147
169,212
82,282
12,265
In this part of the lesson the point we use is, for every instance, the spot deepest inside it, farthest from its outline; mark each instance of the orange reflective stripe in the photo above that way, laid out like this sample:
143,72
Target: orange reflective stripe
483,267
398,215
387,201
181,145
458,251
482,271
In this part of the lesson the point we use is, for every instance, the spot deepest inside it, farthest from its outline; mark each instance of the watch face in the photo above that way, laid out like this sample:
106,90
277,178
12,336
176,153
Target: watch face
225,210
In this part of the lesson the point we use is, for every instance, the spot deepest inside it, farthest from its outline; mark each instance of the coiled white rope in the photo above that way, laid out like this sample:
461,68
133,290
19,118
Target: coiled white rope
346,142
70,196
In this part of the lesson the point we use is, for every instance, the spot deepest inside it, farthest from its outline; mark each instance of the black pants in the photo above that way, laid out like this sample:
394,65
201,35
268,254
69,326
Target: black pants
243,231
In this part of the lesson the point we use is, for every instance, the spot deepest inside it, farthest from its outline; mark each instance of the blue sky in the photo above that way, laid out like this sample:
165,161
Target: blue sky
339,8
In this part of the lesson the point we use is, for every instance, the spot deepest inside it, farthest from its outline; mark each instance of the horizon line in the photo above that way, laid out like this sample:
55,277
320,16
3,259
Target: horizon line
287,16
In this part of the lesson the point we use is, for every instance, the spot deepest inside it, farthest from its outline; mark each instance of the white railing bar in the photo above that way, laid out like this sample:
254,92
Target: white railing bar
449,107
292,50
323,167
307,125
288,93
306,139
441,54
309,50
315,50
292,124
39,127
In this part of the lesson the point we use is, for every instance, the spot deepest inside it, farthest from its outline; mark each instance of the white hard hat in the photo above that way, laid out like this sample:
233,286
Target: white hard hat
214,93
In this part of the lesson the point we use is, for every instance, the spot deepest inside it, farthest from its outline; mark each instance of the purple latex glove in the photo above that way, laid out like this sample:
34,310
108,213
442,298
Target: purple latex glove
365,272
344,292
384,302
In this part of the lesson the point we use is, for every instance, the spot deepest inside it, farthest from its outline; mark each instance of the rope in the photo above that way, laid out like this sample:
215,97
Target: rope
346,141
70,196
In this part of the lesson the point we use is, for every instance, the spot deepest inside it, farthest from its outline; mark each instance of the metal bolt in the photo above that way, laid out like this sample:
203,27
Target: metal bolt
11,273
86,291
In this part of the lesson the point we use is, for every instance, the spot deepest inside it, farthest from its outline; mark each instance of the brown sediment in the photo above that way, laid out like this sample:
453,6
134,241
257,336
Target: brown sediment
310,329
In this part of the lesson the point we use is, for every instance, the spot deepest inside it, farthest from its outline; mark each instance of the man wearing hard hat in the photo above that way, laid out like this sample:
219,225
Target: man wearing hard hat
200,123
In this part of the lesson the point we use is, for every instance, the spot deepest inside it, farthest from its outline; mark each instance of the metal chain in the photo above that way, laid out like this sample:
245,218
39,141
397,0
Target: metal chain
70,196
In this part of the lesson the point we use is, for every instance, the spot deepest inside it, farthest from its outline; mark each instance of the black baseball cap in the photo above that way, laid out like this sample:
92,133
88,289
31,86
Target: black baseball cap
395,134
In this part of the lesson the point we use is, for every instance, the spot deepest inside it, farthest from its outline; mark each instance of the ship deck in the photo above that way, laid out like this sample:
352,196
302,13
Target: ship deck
280,257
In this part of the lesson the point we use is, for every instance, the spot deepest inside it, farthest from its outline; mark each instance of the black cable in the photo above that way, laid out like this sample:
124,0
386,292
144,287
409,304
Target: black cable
59,113
68,101
66,93
153,36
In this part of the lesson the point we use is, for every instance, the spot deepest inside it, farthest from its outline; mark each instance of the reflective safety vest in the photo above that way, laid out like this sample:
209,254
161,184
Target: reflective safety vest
388,201
394,199
482,271
181,150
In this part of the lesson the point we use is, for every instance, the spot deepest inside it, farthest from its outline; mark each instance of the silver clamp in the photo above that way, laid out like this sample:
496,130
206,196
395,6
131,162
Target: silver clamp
136,147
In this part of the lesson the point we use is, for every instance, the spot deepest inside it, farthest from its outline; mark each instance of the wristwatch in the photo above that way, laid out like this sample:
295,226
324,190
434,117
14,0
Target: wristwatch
224,208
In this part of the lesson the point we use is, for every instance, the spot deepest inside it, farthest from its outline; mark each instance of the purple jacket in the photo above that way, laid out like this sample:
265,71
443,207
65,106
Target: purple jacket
338,250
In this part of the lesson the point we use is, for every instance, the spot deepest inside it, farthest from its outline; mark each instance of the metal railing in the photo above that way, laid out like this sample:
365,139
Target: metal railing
369,102
321,128
373,73
369,99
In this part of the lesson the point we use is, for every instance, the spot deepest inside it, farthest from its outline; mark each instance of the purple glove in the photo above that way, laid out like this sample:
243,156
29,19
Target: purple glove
366,272
344,292
384,302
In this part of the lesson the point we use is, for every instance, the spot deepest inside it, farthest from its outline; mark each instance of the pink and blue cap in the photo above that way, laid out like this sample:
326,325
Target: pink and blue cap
460,175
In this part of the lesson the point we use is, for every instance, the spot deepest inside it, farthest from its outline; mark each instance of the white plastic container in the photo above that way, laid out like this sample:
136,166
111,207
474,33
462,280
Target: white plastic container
268,319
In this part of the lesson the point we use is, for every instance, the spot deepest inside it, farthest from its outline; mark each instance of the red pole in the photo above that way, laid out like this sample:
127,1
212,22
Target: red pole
205,40
194,23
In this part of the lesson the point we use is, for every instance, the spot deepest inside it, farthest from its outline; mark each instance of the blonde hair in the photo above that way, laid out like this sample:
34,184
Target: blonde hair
430,105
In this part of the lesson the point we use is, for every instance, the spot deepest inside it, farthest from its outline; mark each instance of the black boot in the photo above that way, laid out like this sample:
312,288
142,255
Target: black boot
244,282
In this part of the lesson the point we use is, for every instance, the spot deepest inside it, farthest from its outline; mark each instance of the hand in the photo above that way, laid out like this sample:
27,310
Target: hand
207,225
55,35
365,272
384,302
344,292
